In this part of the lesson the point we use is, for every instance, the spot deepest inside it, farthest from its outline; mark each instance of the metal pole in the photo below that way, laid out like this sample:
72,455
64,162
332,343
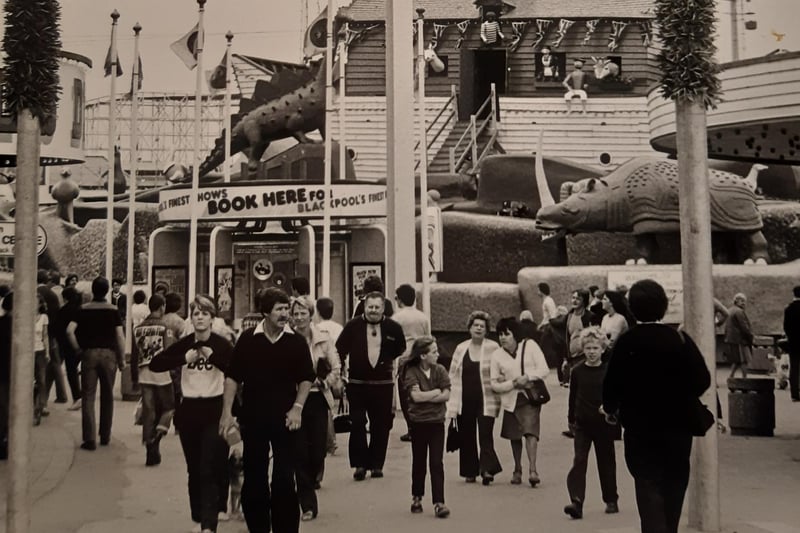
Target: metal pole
112,133
18,516
401,263
424,253
695,214
342,112
734,30
132,190
227,121
196,170
326,211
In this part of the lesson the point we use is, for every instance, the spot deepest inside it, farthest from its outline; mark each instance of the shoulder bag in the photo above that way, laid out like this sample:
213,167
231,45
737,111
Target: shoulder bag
535,390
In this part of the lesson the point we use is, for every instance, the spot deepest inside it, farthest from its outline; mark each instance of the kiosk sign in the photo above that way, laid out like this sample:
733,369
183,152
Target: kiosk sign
285,200
7,239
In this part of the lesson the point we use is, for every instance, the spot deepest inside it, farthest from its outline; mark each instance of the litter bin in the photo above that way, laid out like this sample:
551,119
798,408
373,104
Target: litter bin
751,406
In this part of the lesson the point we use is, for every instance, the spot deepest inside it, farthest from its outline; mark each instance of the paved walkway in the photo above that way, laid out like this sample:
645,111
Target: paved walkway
110,490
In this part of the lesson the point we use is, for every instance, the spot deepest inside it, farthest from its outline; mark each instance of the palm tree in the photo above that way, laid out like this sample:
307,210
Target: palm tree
31,45
686,30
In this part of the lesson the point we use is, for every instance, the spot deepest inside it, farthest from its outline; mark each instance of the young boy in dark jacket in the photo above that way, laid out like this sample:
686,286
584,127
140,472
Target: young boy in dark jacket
590,426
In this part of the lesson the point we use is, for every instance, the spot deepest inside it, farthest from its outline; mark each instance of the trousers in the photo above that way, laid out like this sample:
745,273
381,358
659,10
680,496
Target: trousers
659,465
158,407
603,440
373,402
98,366
427,446
311,448
471,463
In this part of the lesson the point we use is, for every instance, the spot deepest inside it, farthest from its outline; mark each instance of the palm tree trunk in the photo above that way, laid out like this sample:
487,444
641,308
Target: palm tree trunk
25,243
698,293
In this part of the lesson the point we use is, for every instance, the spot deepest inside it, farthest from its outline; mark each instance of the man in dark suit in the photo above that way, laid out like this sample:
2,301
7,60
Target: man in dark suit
372,342
791,327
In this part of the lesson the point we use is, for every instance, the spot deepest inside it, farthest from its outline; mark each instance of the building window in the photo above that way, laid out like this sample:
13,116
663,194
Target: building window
550,67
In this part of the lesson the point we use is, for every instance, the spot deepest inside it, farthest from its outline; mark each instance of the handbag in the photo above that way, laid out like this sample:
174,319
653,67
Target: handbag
699,418
342,423
535,390
453,437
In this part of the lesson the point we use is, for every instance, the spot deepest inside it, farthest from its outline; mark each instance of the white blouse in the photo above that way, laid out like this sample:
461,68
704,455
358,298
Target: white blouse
505,369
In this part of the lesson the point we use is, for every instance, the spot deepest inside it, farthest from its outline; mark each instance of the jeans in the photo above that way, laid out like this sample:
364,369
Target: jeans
98,365
470,462
206,454
373,402
266,505
427,445
311,448
603,440
158,407
659,465
39,381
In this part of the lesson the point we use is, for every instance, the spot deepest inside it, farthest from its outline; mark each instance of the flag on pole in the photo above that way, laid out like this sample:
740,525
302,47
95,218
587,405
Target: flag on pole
216,78
138,75
186,47
109,62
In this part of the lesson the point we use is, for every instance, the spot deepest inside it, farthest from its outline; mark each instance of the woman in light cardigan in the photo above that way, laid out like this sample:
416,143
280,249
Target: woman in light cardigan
520,417
473,402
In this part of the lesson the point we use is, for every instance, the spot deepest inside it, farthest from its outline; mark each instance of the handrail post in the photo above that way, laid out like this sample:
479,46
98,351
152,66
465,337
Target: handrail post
474,135
492,95
452,160
454,100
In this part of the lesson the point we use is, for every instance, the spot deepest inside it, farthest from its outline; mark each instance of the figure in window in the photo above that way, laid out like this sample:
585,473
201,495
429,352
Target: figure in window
490,30
549,69
575,84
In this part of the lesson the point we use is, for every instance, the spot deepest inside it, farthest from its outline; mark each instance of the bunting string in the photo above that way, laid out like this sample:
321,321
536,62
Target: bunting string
616,34
438,31
591,26
518,29
647,32
462,32
541,30
353,36
563,27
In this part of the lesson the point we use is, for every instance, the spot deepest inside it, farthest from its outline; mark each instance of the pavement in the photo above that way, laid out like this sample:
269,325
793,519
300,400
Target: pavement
111,491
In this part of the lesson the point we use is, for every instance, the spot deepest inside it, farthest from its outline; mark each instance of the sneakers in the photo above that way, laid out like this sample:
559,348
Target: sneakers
360,474
76,405
612,508
574,510
416,505
441,510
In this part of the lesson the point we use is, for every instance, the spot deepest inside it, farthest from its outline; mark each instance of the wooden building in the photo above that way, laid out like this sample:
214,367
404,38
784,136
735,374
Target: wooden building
615,126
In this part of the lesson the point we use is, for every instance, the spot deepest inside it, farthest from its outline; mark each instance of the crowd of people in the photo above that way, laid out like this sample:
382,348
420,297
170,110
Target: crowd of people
270,393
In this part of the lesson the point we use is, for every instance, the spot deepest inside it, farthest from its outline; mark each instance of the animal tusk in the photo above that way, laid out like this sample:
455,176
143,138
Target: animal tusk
545,197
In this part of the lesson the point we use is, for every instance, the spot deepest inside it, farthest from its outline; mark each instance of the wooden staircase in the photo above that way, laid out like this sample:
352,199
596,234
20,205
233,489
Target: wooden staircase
440,164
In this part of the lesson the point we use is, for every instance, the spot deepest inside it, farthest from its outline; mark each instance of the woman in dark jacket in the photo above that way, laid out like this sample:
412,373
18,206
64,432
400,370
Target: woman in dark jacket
654,378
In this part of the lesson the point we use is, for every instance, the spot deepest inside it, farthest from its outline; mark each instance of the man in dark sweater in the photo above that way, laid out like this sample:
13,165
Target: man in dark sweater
274,365
372,342
590,427
791,327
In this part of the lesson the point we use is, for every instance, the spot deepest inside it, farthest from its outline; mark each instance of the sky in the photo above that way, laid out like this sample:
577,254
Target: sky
273,29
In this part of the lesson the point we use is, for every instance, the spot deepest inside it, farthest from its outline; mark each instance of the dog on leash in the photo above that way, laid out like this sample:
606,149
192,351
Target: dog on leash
236,478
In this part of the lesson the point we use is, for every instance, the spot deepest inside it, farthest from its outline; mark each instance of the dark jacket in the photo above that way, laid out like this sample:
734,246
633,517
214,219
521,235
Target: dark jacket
791,325
352,342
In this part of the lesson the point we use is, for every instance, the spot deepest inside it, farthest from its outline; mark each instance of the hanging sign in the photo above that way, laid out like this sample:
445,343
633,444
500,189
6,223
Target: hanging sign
7,239
286,200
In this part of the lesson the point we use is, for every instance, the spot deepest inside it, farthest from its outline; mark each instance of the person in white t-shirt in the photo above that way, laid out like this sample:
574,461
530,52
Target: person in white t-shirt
41,351
549,309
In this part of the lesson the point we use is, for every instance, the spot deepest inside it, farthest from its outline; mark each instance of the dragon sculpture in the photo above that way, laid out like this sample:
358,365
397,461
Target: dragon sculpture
291,104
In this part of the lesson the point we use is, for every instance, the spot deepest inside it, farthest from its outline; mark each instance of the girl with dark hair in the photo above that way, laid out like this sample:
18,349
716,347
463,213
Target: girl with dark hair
654,411
41,351
616,320
428,389
513,366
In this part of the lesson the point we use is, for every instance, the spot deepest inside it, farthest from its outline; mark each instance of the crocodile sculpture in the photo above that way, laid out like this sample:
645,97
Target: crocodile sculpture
641,197
291,104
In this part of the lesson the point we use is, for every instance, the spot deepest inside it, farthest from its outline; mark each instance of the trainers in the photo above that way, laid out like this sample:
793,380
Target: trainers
574,510
76,405
612,508
360,474
416,505
441,510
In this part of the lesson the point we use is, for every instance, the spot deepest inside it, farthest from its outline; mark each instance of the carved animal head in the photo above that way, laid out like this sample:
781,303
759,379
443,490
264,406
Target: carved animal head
605,68
432,59
582,207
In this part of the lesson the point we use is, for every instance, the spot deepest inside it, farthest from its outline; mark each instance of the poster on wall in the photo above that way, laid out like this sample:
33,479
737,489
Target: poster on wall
223,277
358,273
671,280
168,279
